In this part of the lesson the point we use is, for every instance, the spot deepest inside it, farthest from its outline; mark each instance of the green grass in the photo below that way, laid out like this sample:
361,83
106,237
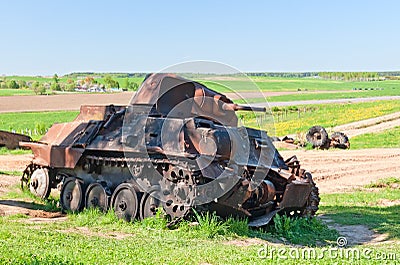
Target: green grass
34,121
385,183
15,92
26,199
102,238
258,83
365,207
337,95
329,115
326,115
387,139
304,231
91,237
10,173
321,96
5,151
294,84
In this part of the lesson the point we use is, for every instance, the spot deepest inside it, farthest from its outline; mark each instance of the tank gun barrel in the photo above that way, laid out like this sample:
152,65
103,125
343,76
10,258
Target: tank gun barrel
236,107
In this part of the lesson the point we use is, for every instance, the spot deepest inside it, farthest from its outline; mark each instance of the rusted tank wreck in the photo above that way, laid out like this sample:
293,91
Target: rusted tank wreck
178,146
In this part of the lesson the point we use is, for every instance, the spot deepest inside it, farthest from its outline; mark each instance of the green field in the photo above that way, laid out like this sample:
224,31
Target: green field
15,92
286,119
91,237
298,119
321,96
295,84
50,80
387,139
366,207
34,123
220,84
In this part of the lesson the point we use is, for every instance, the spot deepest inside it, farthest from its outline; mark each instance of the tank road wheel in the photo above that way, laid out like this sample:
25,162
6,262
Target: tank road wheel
125,202
71,196
148,206
97,197
39,183
174,207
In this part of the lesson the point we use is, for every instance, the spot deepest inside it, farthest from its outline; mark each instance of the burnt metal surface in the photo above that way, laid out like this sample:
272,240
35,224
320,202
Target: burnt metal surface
177,145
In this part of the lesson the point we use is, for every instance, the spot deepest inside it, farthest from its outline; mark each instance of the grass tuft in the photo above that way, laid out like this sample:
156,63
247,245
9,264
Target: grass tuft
6,151
305,231
391,182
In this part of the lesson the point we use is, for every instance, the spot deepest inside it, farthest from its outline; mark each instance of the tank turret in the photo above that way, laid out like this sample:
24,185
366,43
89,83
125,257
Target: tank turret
176,146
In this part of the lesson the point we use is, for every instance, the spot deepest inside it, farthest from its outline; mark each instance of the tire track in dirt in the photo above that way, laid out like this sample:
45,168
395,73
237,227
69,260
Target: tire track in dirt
372,125
344,170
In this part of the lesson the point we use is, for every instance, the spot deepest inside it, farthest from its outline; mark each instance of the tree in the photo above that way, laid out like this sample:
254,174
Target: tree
38,88
128,85
110,83
12,84
55,87
70,87
89,80
42,89
22,84
55,78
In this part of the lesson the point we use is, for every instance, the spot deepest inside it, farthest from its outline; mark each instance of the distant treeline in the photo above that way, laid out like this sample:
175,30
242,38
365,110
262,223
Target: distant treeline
115,75
352,76
281,74
348,76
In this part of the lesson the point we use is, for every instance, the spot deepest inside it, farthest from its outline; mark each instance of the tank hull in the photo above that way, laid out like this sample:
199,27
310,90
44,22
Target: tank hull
177,146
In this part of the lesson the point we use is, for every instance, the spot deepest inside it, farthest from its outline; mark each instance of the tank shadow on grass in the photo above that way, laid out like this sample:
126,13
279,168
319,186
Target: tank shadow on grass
384,220
376,206
18,197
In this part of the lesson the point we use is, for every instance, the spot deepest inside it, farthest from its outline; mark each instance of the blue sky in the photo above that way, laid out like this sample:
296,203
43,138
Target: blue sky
47,37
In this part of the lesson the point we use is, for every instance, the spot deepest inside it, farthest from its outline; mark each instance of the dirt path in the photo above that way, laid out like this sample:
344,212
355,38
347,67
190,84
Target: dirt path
60,102
9,163
74,101
333,171
372,125
14,162
343,170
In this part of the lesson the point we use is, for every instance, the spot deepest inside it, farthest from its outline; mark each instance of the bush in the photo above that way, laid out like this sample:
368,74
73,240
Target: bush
12,84
55,87
70,87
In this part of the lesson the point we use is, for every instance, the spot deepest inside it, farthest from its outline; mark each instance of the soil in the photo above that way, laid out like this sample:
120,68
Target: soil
372,125
356,234
60,102
14,162
344,170
74,101
333,171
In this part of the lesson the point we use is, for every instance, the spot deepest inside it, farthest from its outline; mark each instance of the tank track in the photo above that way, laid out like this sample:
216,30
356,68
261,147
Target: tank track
137,164
175,172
